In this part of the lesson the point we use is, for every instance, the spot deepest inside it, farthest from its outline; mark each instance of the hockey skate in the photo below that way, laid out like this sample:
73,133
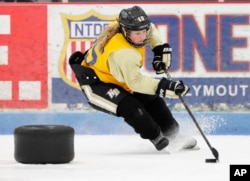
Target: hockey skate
160,142
178,140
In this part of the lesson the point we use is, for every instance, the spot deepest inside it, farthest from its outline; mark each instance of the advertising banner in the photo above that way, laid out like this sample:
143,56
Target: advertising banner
23,57
211,50
211,54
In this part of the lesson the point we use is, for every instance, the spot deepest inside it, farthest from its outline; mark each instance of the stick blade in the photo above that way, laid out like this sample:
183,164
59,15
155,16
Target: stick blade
211,160
215,153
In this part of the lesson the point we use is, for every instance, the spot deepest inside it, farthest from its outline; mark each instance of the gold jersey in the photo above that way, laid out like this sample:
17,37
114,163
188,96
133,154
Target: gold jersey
120,63
98,61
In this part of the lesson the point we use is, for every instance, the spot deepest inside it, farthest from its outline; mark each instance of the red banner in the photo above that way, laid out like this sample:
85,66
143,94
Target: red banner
24,69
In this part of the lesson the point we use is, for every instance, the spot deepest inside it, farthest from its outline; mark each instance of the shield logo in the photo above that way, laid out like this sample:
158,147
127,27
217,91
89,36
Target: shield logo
80,33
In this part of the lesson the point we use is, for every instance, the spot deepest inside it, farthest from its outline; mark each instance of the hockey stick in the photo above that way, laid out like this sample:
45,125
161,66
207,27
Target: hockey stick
213,150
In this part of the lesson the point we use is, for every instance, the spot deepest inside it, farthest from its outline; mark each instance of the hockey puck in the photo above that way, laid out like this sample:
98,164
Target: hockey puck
211,160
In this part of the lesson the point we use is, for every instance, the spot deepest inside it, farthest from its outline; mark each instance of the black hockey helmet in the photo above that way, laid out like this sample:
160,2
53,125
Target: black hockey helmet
133,19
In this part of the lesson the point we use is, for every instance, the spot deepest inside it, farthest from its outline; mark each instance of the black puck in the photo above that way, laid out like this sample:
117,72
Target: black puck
211,160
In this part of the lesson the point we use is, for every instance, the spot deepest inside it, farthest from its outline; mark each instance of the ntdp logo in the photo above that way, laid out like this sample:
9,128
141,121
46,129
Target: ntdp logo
80,33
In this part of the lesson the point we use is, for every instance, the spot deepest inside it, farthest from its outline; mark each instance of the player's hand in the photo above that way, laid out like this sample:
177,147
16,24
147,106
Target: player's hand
162,58
171,89
180,88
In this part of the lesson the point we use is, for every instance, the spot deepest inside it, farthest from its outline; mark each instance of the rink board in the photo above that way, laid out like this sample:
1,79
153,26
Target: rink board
216,123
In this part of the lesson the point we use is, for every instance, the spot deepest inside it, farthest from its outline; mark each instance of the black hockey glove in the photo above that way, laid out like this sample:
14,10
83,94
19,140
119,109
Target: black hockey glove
171,89
162,58
76,58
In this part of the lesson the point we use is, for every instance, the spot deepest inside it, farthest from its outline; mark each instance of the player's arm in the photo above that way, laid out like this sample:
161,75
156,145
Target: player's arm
162,51
124,65
126,69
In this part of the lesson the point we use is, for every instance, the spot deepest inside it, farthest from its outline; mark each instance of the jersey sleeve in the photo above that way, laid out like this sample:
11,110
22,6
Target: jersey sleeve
124,65
154,37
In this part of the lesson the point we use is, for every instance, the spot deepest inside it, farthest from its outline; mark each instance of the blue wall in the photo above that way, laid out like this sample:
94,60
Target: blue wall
216,123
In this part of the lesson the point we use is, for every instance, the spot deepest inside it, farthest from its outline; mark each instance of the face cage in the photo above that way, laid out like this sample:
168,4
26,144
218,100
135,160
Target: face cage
126,34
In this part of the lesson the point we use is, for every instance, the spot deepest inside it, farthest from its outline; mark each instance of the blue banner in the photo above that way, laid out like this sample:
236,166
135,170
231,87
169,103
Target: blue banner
210,92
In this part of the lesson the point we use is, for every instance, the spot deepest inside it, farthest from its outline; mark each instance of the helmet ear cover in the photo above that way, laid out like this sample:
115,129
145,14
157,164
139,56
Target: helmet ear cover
133,19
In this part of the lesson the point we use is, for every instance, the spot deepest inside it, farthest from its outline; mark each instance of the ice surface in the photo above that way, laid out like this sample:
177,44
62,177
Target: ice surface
129,158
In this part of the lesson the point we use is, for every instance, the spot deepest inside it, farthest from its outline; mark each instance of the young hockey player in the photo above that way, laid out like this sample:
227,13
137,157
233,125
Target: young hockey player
109,76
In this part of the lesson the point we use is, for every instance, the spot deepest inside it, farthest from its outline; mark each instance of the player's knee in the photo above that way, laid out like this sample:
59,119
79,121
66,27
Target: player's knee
137,117
129,107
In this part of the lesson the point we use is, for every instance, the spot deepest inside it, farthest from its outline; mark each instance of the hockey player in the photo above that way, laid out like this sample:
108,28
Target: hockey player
109,76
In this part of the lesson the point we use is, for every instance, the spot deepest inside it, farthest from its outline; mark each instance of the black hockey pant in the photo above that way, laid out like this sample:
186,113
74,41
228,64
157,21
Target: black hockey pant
147,114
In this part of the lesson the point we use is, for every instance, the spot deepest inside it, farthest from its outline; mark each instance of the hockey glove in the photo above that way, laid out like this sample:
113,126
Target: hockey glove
162,58
171,89
76,58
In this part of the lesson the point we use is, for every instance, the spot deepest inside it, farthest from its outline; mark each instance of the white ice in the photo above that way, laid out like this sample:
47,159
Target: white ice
129,158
